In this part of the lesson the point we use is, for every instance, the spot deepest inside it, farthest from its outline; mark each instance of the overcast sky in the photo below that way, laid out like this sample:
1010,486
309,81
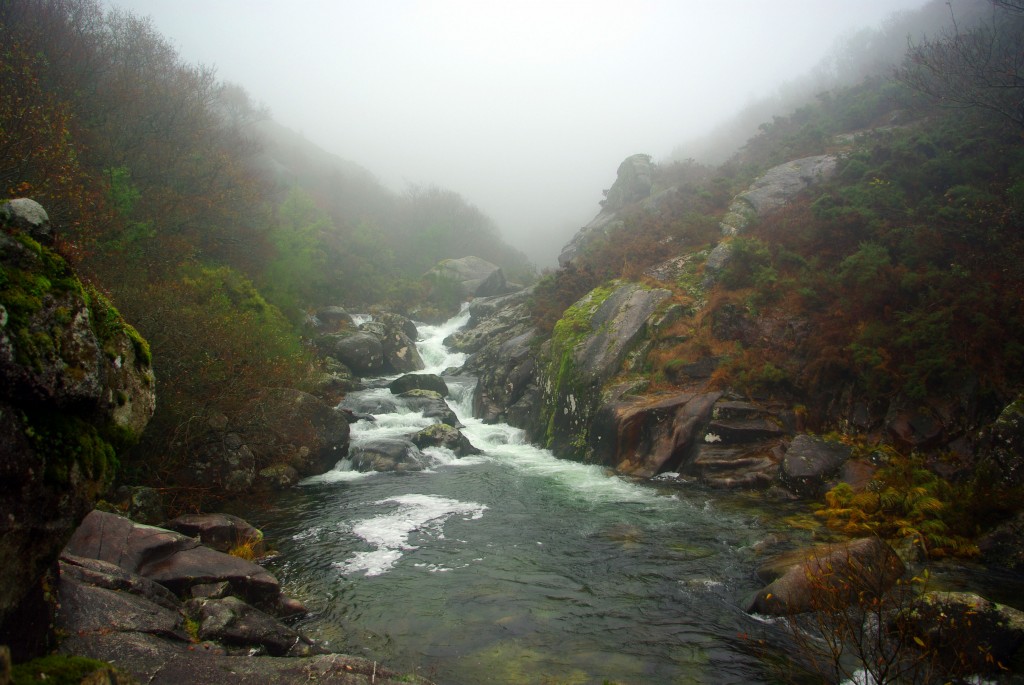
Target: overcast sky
525,108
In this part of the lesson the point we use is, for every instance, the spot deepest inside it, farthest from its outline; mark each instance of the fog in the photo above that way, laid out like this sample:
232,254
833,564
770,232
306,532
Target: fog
524,108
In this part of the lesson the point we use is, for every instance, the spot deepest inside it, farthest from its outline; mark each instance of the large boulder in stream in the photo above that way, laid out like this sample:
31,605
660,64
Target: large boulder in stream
443,435
419,381
432,405
360,351
387,454
398,347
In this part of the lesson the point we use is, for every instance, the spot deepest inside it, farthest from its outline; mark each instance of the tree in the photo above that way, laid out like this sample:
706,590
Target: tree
981,67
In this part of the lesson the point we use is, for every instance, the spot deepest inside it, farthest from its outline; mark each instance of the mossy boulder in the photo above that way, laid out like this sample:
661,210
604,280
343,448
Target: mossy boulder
76,387
588,348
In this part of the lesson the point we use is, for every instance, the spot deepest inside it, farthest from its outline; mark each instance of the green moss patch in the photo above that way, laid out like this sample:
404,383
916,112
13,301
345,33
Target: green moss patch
59,669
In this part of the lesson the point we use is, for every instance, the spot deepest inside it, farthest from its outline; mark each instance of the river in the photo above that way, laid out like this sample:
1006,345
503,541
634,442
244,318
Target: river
517,567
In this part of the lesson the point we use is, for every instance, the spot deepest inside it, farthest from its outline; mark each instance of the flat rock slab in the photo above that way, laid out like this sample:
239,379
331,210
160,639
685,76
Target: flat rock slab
86,608
157,662
175,561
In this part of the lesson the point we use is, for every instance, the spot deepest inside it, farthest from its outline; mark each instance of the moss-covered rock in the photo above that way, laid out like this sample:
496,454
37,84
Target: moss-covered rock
588,347
76,386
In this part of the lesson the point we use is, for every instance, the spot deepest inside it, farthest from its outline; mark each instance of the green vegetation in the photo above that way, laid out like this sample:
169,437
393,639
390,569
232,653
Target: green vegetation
60,669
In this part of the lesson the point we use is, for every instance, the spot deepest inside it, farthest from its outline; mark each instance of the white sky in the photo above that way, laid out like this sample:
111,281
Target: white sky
525,108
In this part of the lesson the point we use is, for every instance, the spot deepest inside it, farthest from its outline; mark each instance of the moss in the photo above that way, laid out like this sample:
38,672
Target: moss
63,441
31,278
108,324
60,669
570,330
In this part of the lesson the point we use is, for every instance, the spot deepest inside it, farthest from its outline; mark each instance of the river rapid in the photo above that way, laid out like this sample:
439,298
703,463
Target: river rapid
517,567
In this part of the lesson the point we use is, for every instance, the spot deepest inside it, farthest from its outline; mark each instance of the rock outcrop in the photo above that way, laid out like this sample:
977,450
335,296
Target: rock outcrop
633,183
169,610
595,339
76,386
468,277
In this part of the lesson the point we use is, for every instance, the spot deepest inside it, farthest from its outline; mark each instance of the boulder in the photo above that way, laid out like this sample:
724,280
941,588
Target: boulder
589,346
469,276
419,381
966,631
28,216
331,319
1003,451
633,182
432,405
642,436
222,532
114,615
76,387
443,435
397,347
292,427
231,622
387,454
824,578
362,352
809,463
173,560
1003,546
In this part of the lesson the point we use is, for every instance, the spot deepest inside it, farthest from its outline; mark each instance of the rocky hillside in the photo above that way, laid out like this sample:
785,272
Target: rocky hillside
836,322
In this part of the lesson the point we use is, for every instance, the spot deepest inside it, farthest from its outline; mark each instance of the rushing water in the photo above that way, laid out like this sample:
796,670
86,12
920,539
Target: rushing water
517,567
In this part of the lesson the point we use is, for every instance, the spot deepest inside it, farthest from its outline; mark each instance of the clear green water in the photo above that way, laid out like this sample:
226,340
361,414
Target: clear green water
516,567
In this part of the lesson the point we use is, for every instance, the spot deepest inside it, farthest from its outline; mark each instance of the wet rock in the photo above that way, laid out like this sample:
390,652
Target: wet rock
88,608
810,462
360,351
171,559
743,466
157,661
643,436
826,577
432,405
295,428
1003,546
733,431
607,324
109,576
1004,444
387,454
232,622
222,532
332,319
443,435
419,381
142,504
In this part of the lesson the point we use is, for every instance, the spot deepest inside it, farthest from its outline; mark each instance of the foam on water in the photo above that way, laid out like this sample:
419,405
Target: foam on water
389,533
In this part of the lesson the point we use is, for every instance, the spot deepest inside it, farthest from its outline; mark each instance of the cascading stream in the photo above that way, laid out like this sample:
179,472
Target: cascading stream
514,566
